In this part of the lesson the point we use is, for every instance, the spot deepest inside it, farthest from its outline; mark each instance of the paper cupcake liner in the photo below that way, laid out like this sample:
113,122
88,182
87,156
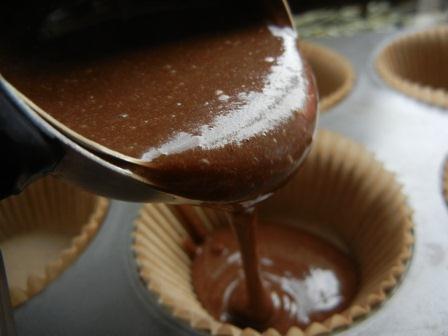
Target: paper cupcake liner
42,232
334,74
349,197
416,64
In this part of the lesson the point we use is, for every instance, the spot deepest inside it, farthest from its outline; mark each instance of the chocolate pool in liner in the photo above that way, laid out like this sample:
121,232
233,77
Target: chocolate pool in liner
350,199
416,64
334,74
42,232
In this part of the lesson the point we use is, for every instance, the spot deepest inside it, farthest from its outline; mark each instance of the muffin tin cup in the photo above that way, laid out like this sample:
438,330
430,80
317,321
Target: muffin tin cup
334,74
416,65
341,193
42,232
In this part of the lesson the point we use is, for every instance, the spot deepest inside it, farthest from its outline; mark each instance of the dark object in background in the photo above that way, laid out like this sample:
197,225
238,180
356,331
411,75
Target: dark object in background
51,19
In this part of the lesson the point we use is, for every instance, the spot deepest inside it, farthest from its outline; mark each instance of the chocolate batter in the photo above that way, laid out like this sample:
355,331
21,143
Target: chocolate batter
296,278
219,116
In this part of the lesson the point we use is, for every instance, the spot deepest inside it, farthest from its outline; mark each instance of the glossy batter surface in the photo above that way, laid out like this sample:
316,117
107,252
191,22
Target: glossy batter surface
304,278
219,116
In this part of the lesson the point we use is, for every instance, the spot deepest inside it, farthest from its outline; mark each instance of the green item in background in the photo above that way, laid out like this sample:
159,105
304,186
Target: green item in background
350,20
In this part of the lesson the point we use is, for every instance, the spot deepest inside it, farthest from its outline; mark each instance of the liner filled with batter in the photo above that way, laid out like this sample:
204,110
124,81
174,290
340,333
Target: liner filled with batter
341,195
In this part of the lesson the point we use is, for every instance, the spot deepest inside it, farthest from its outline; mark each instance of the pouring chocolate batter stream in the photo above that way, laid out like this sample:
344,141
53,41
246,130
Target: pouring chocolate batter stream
225,117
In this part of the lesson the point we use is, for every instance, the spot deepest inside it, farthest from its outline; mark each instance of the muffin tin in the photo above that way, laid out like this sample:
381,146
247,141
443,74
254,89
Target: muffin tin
102,293
445,180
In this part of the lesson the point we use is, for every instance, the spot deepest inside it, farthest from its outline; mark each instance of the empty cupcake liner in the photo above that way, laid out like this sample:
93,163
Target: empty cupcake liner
341,192
416,65
42,232
334,74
